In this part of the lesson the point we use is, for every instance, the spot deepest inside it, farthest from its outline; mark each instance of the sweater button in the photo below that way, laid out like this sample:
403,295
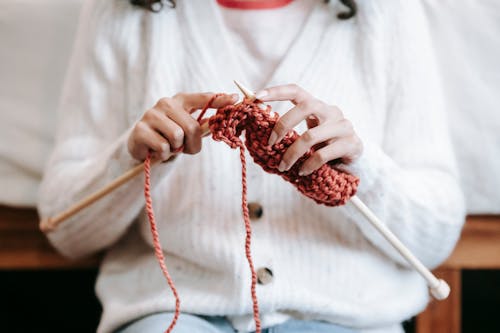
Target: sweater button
264,276
255,210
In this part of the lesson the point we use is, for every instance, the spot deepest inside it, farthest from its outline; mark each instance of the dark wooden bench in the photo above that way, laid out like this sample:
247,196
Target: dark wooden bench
23,246
478,248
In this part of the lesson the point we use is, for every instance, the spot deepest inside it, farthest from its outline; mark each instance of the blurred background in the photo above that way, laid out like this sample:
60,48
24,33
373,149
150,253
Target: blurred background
41,291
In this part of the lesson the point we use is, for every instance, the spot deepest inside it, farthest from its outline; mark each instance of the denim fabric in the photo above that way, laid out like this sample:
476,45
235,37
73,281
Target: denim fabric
157,323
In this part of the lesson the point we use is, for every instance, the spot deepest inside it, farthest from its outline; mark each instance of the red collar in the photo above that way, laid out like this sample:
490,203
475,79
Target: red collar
255,4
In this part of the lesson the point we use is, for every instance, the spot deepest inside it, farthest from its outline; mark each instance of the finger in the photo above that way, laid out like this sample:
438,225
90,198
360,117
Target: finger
193,102
288,121
288,92
159,121
189,130
310,138
313,111
149,140
336,149
223,100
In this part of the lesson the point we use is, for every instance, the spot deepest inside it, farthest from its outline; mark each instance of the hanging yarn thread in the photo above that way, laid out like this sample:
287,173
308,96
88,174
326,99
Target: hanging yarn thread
326,185
156,241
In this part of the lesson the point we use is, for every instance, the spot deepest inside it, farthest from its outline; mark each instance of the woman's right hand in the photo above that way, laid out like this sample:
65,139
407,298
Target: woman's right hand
169,125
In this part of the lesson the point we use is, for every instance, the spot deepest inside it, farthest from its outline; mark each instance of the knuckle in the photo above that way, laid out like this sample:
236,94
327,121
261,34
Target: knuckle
140,127
308,137
132,140
193,129
349,145
299,92
334,108
178,136
295,87
315,106
156,145
358,144
307,106
148,115
156,116
140,138
319,157
287,157
179,95
336,111
280,128
347,124
165,103
164,146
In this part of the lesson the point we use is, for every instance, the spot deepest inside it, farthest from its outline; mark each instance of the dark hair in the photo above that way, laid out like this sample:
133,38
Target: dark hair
157,5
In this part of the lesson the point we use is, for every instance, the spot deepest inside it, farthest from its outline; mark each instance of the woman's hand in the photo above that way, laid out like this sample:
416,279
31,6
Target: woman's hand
169,126
329,134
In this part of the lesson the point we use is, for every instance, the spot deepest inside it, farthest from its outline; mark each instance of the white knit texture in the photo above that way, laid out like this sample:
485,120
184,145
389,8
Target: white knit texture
328,263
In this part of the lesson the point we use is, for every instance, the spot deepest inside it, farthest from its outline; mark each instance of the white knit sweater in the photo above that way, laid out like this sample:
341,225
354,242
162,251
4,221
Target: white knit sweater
328,263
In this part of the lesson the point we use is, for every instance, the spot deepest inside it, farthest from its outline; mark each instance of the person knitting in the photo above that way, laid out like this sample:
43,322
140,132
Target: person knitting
361,90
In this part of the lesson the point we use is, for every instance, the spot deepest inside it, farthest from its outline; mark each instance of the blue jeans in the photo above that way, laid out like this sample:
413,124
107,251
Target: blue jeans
187,323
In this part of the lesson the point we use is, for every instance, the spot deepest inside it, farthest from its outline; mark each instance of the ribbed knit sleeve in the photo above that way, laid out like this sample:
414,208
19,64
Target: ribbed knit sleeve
411,181
93,128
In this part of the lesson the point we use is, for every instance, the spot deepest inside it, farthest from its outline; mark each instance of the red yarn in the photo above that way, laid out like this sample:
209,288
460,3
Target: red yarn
326,185
248,239
156,241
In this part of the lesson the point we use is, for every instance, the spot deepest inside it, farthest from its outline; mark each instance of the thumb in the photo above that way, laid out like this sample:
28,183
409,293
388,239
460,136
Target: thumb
193,102
223,100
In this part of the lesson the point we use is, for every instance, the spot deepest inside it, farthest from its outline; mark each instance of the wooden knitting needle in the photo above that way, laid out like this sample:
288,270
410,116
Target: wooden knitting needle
51,223
439,289
246,92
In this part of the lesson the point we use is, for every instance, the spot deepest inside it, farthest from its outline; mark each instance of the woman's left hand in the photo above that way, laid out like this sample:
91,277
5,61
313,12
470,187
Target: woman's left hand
329,133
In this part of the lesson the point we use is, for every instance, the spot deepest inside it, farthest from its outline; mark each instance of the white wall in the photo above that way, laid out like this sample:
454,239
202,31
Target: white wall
467,40
36,37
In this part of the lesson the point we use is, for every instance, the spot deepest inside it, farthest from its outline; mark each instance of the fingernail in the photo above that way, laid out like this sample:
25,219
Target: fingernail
165,155
235,97
272,139
261,93
282,166
305,172
164,148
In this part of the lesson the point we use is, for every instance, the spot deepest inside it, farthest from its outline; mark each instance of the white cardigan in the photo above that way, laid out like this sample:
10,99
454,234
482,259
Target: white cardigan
327,263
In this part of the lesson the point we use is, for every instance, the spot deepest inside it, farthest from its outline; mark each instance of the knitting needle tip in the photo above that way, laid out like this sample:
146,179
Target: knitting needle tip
247,92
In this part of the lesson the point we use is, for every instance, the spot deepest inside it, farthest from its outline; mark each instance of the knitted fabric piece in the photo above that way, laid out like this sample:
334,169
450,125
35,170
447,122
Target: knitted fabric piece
327,185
